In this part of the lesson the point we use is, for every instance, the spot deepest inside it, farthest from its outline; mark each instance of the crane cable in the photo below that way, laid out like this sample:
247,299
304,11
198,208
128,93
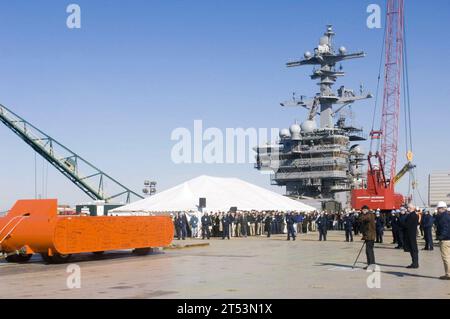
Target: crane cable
407,109
412,187
406,100
375,108
43,179
35,176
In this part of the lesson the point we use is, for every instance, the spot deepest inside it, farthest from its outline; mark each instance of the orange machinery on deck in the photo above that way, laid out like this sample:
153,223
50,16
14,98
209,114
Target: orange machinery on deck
33,226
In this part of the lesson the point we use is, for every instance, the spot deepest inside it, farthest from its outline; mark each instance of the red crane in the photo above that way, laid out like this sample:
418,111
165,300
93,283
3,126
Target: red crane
381,175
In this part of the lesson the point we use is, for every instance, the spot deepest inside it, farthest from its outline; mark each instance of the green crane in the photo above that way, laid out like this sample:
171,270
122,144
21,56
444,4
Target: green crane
67,162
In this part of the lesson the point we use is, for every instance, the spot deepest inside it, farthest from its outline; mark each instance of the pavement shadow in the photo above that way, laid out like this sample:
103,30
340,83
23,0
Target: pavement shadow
393,273
88,257
393,266
320,264
405,274
384,247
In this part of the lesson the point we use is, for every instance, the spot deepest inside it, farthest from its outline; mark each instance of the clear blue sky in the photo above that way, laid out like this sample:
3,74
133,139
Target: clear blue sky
114,90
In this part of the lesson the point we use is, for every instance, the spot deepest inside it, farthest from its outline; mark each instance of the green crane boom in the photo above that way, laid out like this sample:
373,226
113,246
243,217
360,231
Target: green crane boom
66,161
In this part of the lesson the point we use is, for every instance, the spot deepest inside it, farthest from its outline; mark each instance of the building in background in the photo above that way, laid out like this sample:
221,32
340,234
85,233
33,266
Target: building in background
439,187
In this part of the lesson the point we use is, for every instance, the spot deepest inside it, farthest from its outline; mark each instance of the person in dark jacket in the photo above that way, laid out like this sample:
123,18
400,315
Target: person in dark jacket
175,225
186,230
268,224
394,226
379,227
290,226
356,224
412,221
206,223
180,226
252,224
436,216
322,226
226,221
216,225
259,224
244,224
348,227
443,230
193,223
402,229
427,225
367,221
278,223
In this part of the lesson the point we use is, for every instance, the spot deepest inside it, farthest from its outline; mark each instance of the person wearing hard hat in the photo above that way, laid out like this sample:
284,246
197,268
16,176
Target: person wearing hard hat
443,234
412,221
427,225
348,227
379,227
322,226
402,228
394,226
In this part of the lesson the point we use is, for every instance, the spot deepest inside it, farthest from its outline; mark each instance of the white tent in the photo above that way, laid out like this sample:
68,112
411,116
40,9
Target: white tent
221,194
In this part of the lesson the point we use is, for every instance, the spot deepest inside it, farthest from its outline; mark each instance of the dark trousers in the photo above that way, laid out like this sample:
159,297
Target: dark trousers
269,230
244,229
322,234
290,231
406,242
414,251
181,232
369,252
206,232
428,238
394,236
226,231
400,242
414,257
348,235
379,236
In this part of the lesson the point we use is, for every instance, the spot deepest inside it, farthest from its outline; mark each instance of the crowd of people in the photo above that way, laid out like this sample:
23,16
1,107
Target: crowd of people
242,224
267,223
404,224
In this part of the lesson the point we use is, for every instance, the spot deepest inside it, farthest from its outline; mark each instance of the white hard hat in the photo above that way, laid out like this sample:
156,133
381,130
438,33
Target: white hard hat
441,205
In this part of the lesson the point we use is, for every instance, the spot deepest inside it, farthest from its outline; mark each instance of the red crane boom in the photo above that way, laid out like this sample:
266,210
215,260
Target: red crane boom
381,175
392,86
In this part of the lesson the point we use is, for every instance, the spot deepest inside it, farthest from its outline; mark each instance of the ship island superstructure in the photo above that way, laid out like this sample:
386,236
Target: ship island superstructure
314,161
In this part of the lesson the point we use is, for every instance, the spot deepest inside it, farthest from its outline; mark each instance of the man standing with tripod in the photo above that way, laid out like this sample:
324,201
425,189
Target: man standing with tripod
367,221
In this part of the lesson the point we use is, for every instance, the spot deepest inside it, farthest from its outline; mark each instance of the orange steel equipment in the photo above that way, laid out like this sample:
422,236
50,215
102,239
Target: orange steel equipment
33,226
